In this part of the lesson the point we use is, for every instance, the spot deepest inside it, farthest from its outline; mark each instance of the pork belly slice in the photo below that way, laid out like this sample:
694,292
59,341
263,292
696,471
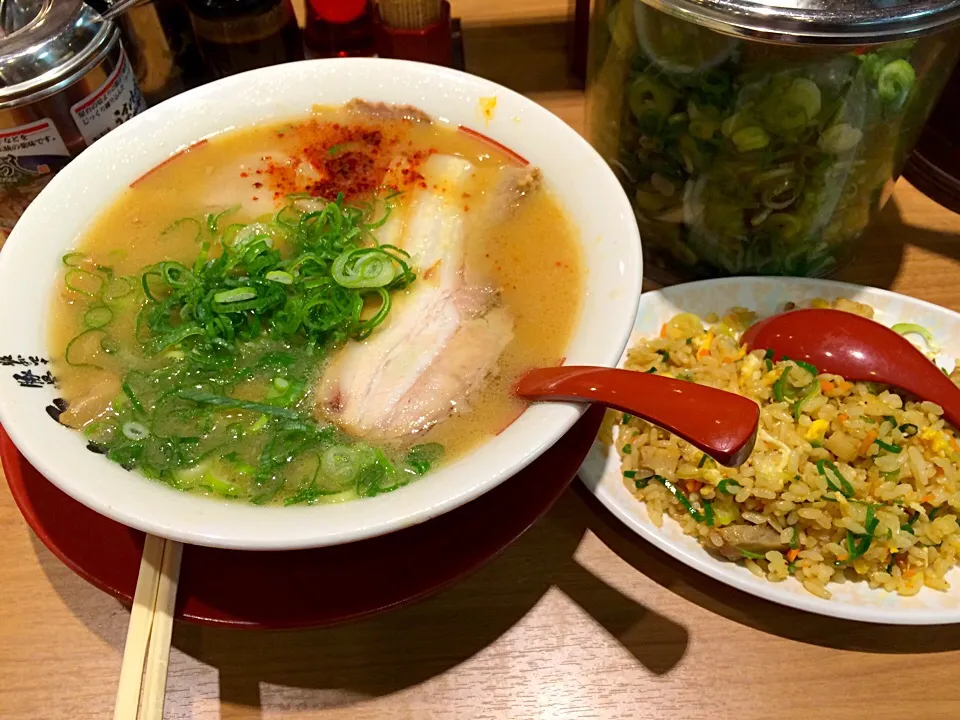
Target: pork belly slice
441,341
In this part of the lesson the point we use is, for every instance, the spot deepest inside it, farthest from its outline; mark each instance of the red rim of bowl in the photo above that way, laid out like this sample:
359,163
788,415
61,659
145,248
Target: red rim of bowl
290,589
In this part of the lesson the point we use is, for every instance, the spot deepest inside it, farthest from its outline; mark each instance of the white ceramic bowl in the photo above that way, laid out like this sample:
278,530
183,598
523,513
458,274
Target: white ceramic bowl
30,261
851,600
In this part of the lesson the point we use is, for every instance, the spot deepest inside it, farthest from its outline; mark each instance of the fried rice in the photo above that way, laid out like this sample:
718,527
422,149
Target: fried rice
848,481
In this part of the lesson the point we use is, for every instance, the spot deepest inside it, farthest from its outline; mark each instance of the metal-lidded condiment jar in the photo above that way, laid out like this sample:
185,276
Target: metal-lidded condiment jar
762,137
65,81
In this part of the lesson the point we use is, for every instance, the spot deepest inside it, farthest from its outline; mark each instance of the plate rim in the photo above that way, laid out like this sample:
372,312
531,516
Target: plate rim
697,558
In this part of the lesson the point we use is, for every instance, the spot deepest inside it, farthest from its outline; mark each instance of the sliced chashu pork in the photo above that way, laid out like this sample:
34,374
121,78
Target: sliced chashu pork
440,342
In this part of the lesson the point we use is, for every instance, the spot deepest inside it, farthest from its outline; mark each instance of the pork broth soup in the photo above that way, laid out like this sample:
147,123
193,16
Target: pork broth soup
314,311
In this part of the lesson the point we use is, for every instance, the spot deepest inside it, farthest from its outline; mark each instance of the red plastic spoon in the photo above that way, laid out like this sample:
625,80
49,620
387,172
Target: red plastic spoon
721,424
858,349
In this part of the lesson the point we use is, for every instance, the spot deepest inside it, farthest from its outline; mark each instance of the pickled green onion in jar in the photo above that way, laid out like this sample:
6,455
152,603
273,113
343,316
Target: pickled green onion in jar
768,152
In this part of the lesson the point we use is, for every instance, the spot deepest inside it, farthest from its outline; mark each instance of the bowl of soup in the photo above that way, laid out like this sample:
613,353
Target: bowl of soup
287,309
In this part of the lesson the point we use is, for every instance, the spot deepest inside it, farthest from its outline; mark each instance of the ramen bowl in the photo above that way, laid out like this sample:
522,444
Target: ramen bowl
30,267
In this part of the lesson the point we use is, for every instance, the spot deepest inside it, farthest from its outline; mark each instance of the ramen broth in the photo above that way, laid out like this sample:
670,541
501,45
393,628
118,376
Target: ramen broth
233,242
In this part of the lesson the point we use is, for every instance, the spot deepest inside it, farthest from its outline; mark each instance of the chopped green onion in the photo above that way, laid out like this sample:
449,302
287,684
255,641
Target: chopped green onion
213,220
845,488
280,276
840,138
117,288
724,486
750,138
768,360
708,512
779,387
808,394
665,356
909,430
703,461
914,329
807,366
887,446
650,100
366,268
131,396
235,295
750,554
627,417
908,526
201,397
135,431
895,82
630,474
422,457
627,449
705,517
795,540
69,350
79,281
97,317
341,465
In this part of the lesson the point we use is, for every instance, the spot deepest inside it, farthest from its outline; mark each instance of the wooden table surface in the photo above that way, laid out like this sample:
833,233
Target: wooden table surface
576,620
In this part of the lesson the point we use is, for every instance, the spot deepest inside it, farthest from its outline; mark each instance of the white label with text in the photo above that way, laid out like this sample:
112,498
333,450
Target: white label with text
110,105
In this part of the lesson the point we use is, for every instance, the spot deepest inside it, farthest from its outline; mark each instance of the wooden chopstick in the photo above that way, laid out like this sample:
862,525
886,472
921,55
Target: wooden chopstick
151,624
158,654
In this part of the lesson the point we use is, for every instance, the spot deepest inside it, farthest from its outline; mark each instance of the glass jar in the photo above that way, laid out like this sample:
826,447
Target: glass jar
756,140
239,35
65,81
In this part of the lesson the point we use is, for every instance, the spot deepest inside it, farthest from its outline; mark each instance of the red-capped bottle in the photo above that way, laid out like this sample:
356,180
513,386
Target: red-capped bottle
339,28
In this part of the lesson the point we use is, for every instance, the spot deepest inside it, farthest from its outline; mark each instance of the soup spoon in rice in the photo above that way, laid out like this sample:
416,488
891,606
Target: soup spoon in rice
857,349
721,424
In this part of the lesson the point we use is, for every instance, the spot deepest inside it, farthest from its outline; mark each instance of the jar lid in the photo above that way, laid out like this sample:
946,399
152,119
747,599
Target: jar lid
44,41
836,22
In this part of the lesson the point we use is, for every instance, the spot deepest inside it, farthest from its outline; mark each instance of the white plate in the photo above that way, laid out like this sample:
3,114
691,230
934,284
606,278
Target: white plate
851,600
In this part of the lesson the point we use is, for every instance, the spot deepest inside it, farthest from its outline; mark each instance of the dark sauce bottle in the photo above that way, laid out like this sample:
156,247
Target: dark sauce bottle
239,35
339,28
159,40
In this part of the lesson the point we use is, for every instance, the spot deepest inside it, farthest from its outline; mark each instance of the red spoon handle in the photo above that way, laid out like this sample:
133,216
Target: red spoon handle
721,424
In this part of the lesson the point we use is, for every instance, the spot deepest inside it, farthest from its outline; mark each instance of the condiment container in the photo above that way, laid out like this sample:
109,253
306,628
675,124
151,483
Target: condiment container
64,82
418,30
762,137
238,35
161,45
934,166
339,28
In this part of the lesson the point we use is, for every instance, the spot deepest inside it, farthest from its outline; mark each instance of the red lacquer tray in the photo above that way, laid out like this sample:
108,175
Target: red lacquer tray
303,588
